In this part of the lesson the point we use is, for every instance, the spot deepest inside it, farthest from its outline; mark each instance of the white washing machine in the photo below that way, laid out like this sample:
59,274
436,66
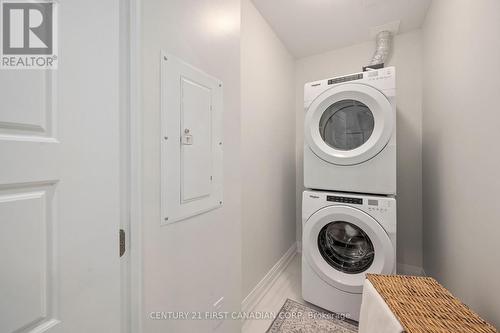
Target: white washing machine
345,236
350,133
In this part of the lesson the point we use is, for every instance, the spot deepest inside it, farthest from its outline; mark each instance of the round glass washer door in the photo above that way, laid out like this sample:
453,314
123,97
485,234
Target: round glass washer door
346,247
349,124
342,244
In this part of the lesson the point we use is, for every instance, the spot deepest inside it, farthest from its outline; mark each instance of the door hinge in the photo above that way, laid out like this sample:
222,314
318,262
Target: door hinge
122,242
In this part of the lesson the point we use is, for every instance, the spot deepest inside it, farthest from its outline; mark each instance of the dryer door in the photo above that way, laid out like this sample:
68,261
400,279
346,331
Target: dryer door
342,244
349,124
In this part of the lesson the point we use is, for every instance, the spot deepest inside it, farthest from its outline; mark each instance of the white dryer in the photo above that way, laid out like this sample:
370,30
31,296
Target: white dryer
345,236
350,133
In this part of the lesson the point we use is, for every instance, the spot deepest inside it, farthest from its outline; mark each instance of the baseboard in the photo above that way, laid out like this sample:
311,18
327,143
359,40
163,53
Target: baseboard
406,269
266,283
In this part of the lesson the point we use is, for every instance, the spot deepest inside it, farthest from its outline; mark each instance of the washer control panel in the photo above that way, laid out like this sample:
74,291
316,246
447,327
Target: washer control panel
350,200
378,205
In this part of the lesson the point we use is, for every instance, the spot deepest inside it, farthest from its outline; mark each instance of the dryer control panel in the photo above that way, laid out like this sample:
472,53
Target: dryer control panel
345,78
383,79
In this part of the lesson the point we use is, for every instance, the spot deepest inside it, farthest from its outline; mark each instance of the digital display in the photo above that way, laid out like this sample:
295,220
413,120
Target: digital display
350,200
372,202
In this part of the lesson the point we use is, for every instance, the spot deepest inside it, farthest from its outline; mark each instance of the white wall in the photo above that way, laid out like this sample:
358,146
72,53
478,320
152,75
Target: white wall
407,57
267,147
189,265
461,164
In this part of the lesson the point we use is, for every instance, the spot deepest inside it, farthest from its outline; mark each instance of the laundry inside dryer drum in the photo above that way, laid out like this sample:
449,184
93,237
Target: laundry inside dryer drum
346,124
346,247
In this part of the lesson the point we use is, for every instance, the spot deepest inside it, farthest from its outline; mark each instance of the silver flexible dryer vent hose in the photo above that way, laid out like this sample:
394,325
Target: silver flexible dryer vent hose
384,41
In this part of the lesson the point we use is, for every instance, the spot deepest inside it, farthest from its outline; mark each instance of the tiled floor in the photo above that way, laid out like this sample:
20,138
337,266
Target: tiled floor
287,285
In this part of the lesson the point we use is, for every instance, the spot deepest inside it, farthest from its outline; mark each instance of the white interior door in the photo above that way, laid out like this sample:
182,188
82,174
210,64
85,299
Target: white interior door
59,182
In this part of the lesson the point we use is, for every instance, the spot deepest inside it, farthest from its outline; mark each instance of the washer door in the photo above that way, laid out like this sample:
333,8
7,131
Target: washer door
349,124
342,244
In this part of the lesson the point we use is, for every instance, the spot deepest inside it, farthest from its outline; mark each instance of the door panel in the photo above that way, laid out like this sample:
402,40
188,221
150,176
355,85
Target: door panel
27,256
196,119
59,182
27,104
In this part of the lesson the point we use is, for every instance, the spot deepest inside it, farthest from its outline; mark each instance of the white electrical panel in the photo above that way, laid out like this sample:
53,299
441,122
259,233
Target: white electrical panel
192,147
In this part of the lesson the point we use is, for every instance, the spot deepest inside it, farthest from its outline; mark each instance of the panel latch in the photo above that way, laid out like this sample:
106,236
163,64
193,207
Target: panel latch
187,138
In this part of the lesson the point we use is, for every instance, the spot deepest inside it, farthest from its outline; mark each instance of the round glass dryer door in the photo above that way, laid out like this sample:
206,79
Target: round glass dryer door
349,124
346,124
342,244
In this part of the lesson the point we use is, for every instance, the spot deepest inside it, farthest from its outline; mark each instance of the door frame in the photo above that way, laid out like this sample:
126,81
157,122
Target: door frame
131,164
136,165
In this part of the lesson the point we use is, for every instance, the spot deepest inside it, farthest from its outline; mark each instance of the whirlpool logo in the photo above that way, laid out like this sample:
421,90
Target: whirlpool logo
29,34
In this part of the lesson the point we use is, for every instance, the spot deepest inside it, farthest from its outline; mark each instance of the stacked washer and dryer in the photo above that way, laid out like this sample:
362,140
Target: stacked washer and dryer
349,211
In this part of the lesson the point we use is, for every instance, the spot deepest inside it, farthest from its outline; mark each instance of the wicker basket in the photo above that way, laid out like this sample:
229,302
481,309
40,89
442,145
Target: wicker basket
422,305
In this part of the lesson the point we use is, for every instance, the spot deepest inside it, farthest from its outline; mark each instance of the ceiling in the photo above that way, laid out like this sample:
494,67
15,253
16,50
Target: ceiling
309,27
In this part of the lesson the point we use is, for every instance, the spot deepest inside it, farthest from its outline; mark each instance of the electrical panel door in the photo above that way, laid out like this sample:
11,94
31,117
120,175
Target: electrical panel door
191,141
